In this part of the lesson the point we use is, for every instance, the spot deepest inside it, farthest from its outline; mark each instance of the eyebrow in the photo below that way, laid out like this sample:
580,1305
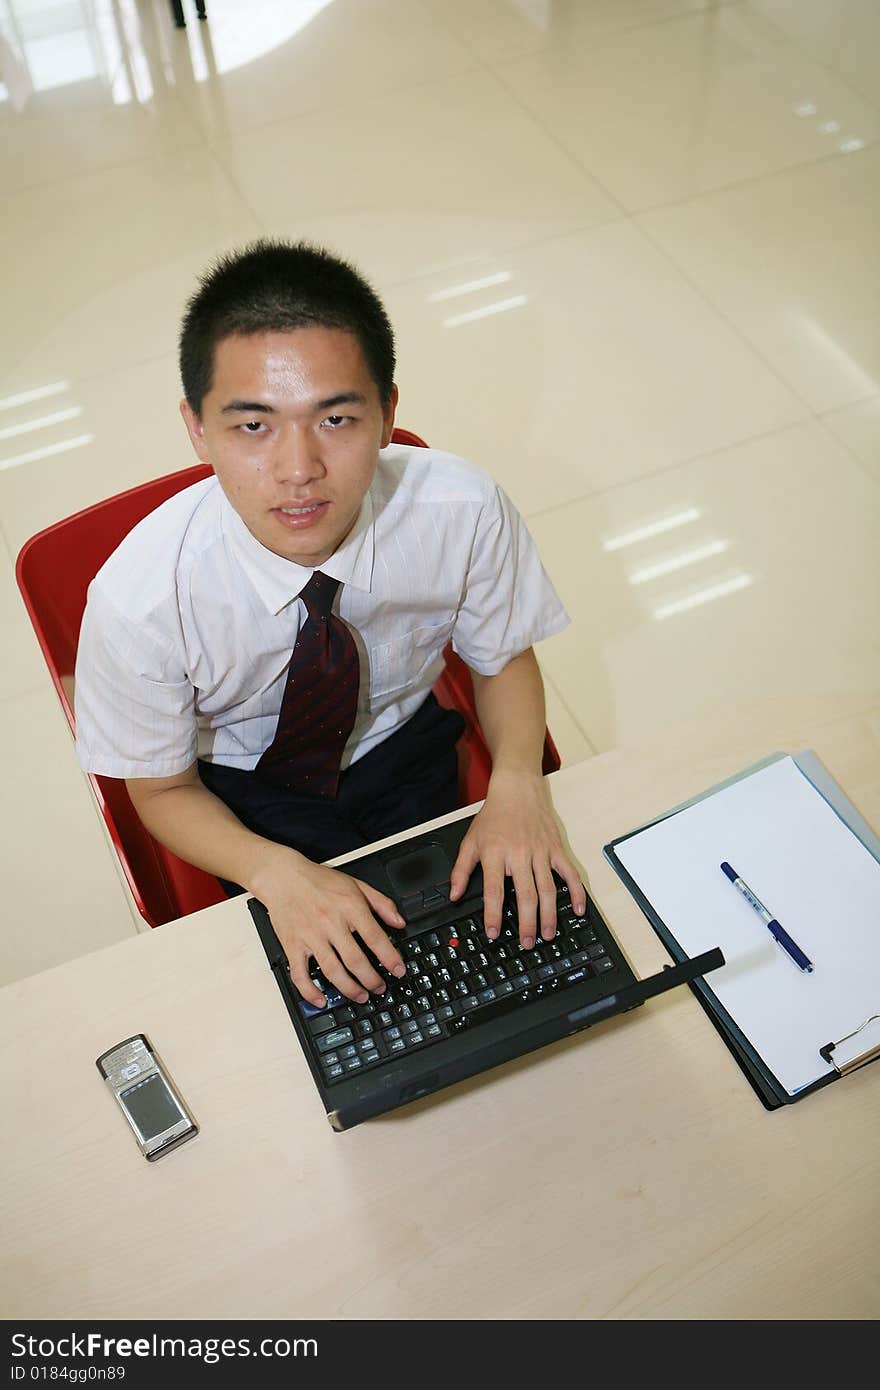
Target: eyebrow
247,407
259,407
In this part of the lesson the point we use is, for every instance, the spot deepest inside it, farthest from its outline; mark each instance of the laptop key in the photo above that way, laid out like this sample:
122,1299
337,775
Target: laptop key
576,976
321,1023
330,1041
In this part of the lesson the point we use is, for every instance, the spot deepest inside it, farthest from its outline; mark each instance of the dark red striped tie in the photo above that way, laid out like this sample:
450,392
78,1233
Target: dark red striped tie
319,704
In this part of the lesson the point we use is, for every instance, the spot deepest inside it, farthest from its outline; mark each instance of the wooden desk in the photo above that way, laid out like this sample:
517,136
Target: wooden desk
628,1172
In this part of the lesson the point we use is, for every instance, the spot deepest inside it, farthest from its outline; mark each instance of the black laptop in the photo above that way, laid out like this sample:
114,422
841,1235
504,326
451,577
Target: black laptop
466,1003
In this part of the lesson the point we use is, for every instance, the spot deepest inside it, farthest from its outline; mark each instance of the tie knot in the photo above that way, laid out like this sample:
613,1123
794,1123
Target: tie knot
318,595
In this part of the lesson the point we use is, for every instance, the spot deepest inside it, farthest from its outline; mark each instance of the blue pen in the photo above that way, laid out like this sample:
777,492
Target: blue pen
776,931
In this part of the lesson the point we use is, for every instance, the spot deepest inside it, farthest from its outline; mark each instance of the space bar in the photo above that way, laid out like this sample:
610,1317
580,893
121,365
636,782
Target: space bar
486,1012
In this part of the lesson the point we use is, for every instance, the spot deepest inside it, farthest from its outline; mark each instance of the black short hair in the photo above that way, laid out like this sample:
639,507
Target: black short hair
275,286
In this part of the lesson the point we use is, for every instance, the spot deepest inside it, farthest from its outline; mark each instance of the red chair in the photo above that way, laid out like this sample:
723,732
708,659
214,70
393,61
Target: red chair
54,570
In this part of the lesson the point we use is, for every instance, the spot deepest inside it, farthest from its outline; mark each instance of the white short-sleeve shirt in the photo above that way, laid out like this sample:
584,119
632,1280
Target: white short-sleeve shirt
190,624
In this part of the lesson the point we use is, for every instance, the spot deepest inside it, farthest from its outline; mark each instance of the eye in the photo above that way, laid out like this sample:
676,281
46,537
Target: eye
333,422
253,426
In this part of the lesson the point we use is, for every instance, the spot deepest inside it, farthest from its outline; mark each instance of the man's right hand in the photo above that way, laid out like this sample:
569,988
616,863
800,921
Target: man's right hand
315,912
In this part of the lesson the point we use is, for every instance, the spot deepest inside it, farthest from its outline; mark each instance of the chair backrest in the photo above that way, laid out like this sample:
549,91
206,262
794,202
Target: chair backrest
54,570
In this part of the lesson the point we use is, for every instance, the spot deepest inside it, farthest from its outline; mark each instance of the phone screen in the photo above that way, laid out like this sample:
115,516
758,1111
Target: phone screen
152,1106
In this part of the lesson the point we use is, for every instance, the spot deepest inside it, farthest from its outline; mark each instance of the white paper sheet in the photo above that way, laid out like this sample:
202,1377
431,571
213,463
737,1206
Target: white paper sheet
816,878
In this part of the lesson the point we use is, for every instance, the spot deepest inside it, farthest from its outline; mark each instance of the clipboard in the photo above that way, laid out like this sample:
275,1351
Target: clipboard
857,1042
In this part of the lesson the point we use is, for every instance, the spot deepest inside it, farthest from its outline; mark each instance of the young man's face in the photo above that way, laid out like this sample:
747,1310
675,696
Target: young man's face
292,426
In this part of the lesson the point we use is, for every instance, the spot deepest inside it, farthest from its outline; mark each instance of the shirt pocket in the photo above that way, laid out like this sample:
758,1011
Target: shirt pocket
401,664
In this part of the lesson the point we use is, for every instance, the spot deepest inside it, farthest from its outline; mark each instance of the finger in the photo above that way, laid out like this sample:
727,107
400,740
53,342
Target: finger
357,963
381,904
335,973
375,939
526,902
546,899
576,889
493,893
468,858
299,973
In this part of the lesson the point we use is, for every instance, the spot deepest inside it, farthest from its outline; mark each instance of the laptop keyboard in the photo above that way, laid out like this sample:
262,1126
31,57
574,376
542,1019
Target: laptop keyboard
456,978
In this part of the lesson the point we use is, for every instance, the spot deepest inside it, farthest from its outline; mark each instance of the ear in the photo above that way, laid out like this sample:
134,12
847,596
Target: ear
195,429
388,417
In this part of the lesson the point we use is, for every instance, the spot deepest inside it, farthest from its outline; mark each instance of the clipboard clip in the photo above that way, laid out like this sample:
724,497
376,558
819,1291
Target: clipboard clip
848,1060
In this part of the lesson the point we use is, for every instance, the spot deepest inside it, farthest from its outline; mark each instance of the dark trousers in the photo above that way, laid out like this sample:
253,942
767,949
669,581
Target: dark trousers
411,777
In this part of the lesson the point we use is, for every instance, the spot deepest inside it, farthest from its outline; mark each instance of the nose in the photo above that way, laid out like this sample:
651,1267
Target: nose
297,457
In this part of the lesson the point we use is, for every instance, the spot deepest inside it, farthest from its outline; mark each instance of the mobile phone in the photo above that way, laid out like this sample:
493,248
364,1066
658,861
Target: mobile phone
148,1098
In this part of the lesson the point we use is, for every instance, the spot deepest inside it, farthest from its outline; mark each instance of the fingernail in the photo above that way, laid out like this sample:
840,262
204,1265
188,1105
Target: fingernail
361,998
401,920
491,932
528,943
399,970
380,989
548,933
580,909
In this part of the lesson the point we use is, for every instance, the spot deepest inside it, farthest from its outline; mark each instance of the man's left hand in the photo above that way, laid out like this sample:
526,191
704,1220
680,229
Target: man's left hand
516,833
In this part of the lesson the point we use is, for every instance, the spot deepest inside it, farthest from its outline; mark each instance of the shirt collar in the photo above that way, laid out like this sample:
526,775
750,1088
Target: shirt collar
279,581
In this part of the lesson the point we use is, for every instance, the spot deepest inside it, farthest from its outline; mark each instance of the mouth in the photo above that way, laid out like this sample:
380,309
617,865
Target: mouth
307,514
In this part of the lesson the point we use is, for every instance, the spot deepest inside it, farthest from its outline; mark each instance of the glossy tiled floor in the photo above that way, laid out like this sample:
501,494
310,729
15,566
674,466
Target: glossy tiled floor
630,247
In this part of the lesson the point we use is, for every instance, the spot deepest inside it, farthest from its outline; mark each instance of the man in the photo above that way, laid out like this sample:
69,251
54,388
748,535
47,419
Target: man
256,658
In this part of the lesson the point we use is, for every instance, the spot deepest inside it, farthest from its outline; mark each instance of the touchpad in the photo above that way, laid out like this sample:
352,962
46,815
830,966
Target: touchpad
420,878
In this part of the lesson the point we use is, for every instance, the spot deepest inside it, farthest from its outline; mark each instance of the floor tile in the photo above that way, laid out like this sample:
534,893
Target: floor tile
261,62
842,35
591,364
94,115
127,429
571,742
858,427
59,877
663,112
96,270
752,570
792,261
494,179
23,666
498,29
